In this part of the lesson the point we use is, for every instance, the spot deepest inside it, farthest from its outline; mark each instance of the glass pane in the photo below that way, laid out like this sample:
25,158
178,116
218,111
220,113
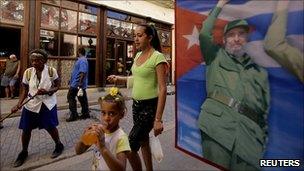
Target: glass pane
110,68
68,20
49,42
129,60
164,37
55,2
121,53
89,43
110,49
87,8
87,23
69,4
117,15
11,11
167,52
137,20
113,27
92,66
50,16
68,45
126,30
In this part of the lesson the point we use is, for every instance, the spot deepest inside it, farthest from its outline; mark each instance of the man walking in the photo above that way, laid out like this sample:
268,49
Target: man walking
233,117
10,75
78,85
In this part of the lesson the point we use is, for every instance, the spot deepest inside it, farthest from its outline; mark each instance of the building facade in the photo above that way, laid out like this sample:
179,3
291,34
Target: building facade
61,26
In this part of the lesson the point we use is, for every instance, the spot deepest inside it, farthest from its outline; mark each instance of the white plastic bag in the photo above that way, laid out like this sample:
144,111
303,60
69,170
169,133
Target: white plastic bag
156,148
80,92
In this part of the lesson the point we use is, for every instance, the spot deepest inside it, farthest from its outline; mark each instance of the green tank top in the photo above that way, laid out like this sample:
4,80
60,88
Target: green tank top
145,84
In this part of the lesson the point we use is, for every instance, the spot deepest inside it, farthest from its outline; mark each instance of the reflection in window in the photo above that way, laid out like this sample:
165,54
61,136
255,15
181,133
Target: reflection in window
129,60
49,42
69,4
68,45
167,52
113,27
68,20
110,49
87,23
89,43
87,8
126,29
110,67
164,37
117,15
49,16
56,2
11,11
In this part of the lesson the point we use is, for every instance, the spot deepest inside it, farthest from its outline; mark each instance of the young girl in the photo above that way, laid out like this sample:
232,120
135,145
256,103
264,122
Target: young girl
148,93
111,142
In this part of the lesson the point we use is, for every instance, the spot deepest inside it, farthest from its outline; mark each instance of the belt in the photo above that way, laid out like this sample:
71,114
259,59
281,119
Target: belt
147,101
237,106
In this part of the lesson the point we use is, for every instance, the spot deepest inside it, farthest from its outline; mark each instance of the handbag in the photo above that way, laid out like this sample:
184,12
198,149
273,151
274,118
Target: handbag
156,148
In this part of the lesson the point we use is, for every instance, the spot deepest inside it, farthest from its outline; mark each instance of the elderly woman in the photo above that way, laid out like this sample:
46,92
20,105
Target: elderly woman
40,81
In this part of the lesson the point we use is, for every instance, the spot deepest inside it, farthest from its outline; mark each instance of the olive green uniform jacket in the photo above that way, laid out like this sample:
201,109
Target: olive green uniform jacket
245,82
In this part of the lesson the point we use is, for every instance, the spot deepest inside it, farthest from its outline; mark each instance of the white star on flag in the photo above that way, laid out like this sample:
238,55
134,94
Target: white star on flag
192,38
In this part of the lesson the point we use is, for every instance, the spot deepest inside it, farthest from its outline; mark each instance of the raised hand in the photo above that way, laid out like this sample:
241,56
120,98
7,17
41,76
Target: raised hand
112,78
221,3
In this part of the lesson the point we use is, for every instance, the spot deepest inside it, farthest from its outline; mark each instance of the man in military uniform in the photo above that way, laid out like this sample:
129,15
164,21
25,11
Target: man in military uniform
233,117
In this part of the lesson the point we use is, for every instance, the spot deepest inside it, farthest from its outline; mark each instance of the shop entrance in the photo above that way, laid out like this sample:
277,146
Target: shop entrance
9,44
119,57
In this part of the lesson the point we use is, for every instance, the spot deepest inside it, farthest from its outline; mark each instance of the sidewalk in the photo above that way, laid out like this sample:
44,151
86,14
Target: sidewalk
173,159
41,144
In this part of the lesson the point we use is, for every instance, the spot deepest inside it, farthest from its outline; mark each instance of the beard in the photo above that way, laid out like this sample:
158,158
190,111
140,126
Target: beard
235,51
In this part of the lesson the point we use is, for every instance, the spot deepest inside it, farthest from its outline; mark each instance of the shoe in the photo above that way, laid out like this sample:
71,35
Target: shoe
72,118
85,116
21,158
58,150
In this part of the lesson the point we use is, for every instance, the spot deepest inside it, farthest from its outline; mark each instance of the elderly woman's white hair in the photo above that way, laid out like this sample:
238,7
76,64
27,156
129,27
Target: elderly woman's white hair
12,56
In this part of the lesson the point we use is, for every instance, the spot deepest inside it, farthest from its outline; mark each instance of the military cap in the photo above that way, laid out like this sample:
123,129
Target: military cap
236,23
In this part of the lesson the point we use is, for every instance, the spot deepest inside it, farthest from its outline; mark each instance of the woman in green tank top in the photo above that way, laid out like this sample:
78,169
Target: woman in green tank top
149,93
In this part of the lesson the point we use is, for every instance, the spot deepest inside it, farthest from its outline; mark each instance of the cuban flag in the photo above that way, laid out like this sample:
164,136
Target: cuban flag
286,121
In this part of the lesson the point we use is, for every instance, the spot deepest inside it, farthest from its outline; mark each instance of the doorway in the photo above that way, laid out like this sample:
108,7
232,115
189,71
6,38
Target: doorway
10,44
119,57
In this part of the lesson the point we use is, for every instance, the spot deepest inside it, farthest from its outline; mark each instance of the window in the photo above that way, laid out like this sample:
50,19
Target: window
87,23
65,26
68,20
55,2
89,43
49,16
62,24
49,42
88,9
12,11
68,45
